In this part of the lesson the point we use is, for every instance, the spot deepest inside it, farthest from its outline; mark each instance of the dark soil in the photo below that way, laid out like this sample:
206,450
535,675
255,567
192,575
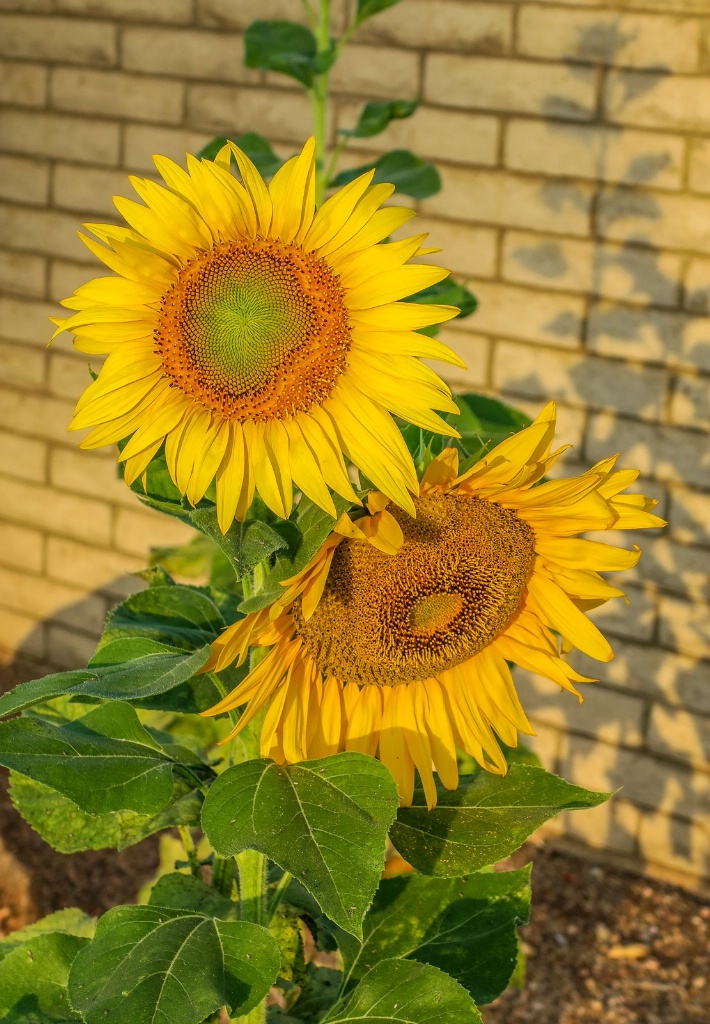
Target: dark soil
604,946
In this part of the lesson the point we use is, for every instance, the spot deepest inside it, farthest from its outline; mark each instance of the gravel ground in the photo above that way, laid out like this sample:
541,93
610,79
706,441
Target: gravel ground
604,946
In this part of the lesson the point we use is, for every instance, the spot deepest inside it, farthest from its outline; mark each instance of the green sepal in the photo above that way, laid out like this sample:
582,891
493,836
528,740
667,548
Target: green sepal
466,926
484,820
324,821
399,167
376,116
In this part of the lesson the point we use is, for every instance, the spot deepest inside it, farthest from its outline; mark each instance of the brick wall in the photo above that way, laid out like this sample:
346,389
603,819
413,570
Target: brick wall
571,136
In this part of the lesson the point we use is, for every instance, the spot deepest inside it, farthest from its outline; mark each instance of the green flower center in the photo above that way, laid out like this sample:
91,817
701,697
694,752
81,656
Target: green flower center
255,329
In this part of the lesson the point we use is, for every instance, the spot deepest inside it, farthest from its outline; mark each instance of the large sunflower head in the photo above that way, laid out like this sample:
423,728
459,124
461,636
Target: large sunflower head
258,339
396,639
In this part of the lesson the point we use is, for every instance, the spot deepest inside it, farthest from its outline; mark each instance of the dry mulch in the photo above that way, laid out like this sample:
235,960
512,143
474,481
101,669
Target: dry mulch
604,946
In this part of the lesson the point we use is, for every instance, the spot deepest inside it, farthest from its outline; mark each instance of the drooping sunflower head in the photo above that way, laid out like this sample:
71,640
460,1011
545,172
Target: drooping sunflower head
395,639
258,339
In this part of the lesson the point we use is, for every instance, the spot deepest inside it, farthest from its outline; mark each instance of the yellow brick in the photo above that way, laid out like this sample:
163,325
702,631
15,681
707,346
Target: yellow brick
21,548
454,135
22,633
186,54
697,286
36,416
473,27
68,649
604,154
678,734
56,135
96,568
227,14
65,277
142,141
649,335
90,190
61,39
21,365
685,626
22,274
607,37
175,11
23,85
280,115
690,517
69,373
690,405
663,221
40,231
474,349
508,85
44,598
664,453
22,457
699,174
466,250
376,71
23,180
674,843
674,678
495,197
656,100
136,530
90,473
26,320
622,272
549,319
53,510
575,378
647,781
113,94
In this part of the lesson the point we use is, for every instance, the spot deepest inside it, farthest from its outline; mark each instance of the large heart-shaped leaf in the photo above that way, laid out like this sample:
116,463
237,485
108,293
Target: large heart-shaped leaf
179,616
466,926
103,761
409,993
484,820
283,46
150,964
324,821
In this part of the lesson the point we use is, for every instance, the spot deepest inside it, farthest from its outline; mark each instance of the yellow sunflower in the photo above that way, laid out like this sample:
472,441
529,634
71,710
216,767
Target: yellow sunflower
257,338
405,655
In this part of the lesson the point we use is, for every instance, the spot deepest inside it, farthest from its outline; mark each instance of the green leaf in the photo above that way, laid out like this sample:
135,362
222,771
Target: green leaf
33,978
254,145
36,691
484,820
69,829
183,892
179,616
70,920
150,963
368,8
282,46
318,993
412,993
376,116
401,168
466,926
104,761
324,821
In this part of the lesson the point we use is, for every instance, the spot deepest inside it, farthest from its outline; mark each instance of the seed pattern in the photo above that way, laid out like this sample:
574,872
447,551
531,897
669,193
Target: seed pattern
454,585
255,329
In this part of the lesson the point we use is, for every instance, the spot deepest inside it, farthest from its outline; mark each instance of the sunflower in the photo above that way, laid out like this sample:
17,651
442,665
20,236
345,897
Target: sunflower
258,339
405,656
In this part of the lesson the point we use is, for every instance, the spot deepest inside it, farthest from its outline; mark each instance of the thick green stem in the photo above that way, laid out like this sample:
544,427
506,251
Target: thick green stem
192,856
319,101
252,907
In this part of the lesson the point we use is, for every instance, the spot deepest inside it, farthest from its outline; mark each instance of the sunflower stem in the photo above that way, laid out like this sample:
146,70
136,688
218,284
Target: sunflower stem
252,907
319,99
190,850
